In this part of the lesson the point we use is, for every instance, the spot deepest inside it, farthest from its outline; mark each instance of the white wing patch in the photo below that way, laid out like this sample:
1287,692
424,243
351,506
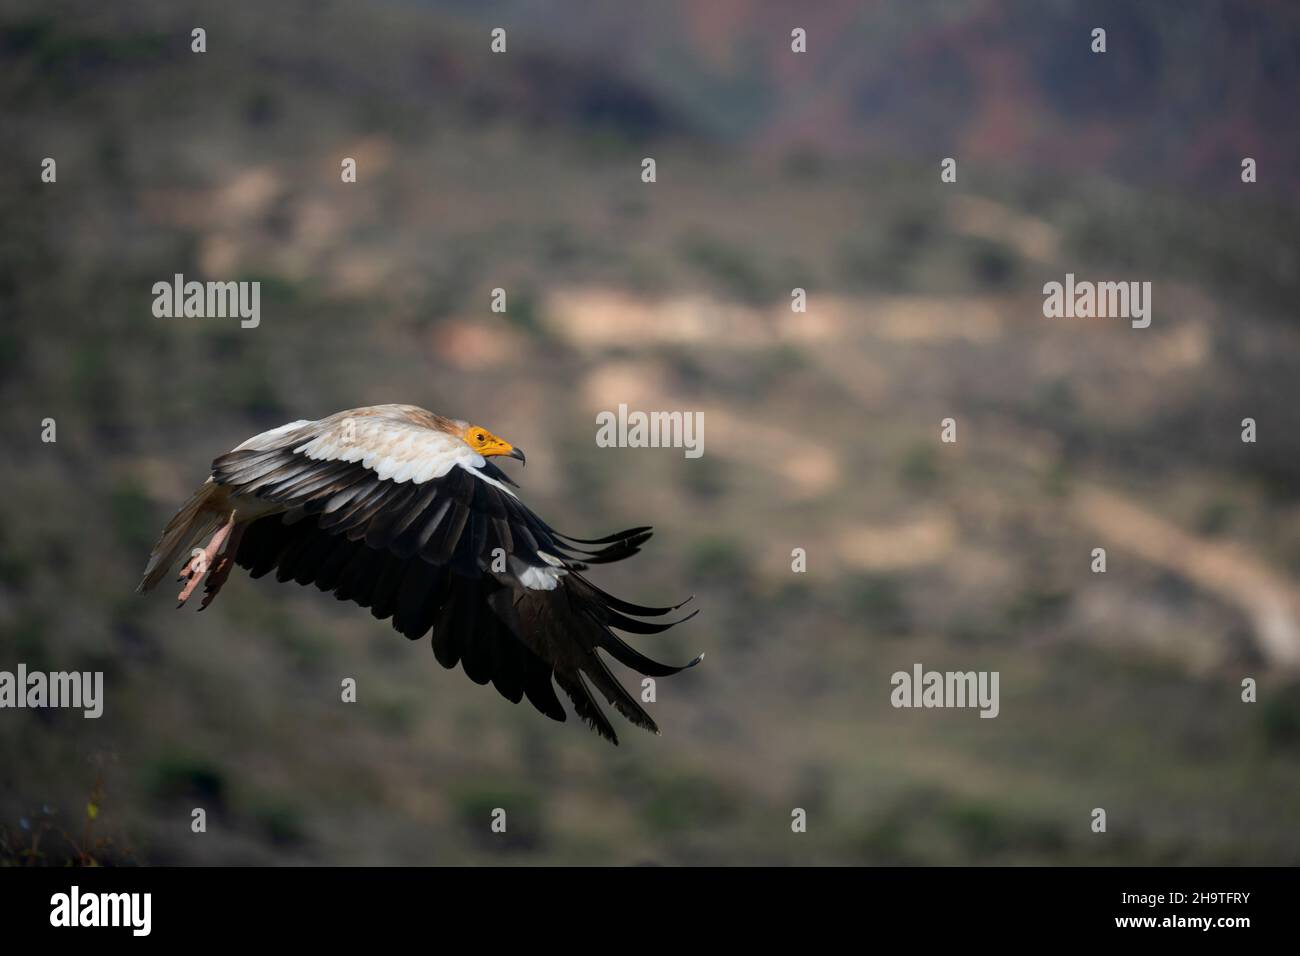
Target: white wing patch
538,578
394,450
535,578
267,440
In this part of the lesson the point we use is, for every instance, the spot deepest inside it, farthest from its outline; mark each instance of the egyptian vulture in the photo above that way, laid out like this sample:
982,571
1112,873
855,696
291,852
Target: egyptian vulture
400,511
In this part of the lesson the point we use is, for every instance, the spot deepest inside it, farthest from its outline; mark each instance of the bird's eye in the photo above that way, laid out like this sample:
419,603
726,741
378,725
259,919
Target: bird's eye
480,437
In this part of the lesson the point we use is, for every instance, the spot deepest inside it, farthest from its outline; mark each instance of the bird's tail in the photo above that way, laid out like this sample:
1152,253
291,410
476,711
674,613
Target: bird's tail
191,524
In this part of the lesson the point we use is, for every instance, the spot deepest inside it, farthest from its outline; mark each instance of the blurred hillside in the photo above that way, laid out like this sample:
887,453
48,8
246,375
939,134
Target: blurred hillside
522,172
1183,92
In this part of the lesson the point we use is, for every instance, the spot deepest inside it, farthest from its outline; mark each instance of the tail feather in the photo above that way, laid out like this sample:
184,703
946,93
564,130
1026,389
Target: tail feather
191,524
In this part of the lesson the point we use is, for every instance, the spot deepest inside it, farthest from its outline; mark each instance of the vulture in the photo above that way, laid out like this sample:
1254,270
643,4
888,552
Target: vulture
401,511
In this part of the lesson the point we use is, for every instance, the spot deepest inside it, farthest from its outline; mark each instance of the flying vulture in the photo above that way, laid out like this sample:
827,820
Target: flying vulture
400,511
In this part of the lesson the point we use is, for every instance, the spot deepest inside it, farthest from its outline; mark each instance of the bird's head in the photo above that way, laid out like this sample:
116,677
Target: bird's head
487,444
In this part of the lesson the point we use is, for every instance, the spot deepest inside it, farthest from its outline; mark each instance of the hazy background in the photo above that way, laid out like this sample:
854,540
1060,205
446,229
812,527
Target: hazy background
775,170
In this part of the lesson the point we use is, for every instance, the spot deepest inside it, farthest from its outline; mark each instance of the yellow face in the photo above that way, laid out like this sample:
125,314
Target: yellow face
487,444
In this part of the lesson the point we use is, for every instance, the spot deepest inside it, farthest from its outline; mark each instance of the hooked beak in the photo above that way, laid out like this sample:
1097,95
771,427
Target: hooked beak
518,453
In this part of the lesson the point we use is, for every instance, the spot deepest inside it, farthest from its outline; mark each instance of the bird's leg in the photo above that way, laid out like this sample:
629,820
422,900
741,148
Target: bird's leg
201,560
225,561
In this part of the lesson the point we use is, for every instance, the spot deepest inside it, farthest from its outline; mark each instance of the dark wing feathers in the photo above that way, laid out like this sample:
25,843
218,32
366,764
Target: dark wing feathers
421,554
539,689
576,689
406,517
496,474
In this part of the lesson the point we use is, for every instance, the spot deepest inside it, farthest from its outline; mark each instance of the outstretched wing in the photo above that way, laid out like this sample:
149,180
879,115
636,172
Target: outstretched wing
409,522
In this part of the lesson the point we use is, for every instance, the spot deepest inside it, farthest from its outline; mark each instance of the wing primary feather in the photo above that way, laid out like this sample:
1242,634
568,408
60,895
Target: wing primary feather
617,536
614,619
627,607
629,656
539,688
585,706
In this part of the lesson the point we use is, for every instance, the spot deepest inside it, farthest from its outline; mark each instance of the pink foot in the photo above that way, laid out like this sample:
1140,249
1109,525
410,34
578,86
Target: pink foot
225,561
196,568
